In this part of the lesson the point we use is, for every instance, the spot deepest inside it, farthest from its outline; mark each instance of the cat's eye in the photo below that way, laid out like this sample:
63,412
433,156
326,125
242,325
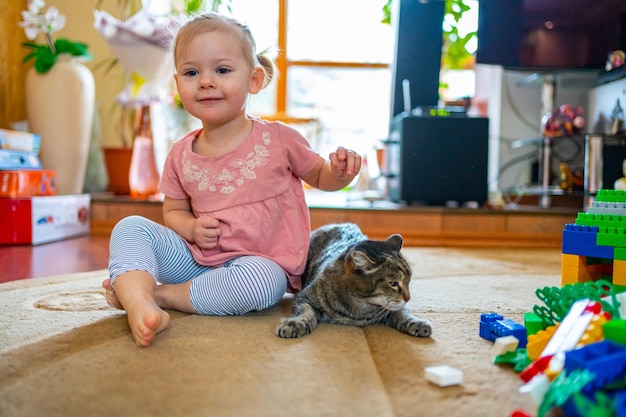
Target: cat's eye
395,285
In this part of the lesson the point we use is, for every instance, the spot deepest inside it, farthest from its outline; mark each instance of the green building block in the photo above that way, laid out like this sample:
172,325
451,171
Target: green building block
533,323
601,220
611,236
617,196
619,253
615,330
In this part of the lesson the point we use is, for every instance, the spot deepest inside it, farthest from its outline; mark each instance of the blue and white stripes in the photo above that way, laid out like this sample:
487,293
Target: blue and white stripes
244,284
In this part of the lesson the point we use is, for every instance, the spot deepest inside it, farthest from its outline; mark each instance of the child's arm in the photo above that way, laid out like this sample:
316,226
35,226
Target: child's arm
203,231
337,172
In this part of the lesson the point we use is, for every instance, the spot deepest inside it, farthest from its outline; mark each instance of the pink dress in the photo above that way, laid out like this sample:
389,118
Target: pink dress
254,191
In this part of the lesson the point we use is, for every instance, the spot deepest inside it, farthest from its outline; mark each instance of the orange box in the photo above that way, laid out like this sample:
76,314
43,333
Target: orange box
26,183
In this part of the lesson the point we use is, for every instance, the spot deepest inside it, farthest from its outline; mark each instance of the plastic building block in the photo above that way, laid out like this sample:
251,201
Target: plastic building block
558,301
611,195
620,404
600,220
619,272
581,239
571,329
538,342
535,368
507,327
615,331
617,303
606,360
518,358
533,323
607,207
444,375
505,344
520,413
612,236
536,389
562,389
485,325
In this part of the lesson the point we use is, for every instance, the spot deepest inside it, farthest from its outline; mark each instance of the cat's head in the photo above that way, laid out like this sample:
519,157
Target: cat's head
378,273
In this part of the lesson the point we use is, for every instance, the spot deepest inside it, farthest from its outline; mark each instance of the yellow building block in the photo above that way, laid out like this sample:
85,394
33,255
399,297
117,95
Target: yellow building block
537,342
573,260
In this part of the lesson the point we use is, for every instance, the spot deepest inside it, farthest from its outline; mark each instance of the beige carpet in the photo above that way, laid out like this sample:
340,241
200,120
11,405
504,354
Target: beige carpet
64,353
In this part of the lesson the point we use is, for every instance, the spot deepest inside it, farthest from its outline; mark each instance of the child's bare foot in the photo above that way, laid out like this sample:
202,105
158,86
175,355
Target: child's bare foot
146,319
134,292
110,295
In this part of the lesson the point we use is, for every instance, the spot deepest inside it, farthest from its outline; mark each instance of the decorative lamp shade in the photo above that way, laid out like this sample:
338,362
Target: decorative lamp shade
141,46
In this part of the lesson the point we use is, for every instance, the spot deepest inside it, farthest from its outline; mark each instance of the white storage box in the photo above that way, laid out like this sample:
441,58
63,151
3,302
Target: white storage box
35,220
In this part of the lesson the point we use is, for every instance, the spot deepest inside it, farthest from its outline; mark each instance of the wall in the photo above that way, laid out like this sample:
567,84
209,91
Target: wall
12,73
79,27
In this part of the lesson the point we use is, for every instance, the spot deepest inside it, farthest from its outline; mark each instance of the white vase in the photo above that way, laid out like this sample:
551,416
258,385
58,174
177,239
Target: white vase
60,106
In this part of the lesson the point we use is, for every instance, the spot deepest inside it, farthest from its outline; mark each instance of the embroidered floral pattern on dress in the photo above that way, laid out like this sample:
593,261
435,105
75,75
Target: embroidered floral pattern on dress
226,180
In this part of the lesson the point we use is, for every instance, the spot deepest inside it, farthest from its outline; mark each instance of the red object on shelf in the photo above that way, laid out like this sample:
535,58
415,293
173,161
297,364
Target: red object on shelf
35,220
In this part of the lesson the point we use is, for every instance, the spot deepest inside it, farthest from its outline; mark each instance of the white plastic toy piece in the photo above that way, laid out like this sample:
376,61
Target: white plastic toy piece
570,330
505,344
444,375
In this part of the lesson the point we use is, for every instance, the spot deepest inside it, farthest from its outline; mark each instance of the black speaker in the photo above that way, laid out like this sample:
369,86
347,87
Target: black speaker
417,52
433,160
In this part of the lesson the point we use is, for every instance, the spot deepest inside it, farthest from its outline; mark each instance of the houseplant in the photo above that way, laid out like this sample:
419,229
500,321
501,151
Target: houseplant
456,54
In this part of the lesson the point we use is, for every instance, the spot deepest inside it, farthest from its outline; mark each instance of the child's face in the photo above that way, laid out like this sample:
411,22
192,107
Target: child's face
214,78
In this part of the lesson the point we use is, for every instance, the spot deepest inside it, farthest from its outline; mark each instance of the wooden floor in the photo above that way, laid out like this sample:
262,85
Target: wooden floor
426,226
81,254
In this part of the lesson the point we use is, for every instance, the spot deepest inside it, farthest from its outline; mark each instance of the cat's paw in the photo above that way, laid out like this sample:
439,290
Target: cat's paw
419,328
292,328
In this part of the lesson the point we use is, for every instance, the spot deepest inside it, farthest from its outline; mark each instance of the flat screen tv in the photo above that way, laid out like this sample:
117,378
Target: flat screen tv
542,35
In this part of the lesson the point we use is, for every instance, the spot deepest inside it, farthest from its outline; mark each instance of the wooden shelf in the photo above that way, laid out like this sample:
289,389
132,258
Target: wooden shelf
420,226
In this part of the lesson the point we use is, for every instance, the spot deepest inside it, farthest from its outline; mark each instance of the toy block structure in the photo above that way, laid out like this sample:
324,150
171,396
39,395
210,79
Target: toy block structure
594,247
492,326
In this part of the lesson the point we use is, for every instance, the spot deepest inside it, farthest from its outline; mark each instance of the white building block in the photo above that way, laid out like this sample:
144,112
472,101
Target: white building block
505,344
444,375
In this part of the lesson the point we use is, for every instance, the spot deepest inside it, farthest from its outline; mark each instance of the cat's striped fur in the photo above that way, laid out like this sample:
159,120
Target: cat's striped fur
354,281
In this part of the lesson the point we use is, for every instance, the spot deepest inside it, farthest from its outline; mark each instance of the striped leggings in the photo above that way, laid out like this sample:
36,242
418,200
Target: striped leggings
244,284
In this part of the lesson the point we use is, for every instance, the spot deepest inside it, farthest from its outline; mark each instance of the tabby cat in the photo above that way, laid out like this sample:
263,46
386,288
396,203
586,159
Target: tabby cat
351,280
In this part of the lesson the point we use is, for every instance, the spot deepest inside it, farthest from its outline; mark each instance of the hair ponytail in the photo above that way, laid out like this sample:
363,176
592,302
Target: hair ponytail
268,66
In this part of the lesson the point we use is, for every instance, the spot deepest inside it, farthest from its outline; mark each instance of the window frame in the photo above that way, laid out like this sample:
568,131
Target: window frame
283,64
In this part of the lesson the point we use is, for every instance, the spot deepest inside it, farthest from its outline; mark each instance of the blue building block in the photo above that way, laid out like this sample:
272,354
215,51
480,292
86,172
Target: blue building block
620,403
485,325
581,240
493,325
605,359
508,327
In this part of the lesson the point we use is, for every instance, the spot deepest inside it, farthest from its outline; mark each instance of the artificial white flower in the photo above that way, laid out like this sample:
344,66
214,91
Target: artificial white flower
31,24
35,5
53,20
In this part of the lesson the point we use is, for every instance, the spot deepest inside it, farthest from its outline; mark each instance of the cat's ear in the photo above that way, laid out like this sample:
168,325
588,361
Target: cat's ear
395,241
360,260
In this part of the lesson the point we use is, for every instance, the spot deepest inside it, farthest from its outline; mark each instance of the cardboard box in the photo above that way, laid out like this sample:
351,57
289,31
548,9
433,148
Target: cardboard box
27,183
20,141
35,220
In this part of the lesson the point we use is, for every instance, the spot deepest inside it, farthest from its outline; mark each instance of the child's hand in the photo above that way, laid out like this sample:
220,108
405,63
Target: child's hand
206,231
345,163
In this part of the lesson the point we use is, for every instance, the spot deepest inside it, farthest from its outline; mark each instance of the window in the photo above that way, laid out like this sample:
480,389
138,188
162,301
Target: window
333,61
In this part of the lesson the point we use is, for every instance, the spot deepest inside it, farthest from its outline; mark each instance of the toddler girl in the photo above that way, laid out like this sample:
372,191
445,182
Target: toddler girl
237,225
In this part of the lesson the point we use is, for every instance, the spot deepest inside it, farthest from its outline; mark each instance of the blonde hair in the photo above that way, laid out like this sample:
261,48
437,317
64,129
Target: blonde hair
207,22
